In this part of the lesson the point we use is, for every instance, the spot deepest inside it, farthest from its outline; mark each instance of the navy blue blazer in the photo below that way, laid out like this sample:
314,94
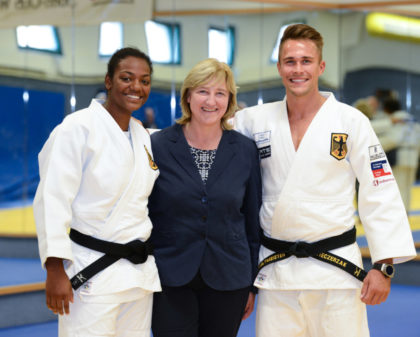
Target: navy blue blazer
212,227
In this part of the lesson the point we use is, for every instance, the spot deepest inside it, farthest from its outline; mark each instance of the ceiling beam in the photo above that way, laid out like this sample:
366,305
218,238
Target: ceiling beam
225,11
338,4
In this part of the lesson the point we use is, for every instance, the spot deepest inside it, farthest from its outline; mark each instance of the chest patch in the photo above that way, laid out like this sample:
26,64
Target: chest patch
338,145
263,141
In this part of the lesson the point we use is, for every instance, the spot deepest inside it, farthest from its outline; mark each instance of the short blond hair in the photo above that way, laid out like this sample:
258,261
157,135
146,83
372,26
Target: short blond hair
202,73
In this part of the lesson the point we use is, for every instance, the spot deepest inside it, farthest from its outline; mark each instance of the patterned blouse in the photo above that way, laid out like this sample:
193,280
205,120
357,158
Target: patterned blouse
203,160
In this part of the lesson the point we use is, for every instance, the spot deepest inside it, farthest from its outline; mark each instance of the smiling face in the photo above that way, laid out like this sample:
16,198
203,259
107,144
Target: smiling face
208,102
300,67
129,87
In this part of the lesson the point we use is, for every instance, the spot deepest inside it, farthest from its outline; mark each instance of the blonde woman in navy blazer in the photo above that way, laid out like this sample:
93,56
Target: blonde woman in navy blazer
204,208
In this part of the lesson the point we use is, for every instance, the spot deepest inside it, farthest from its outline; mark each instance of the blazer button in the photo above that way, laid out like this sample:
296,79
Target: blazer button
204,200
204,218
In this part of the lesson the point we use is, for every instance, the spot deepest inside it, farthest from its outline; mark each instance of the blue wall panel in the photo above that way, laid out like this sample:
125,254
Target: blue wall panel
24,127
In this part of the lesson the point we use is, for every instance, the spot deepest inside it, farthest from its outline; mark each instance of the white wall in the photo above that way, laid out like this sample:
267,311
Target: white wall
347,47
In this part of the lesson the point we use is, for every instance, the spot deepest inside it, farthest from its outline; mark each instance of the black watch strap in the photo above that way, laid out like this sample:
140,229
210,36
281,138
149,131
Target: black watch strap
387,269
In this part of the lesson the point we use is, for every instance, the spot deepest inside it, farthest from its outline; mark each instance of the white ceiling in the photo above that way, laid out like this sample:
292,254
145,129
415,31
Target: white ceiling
206,7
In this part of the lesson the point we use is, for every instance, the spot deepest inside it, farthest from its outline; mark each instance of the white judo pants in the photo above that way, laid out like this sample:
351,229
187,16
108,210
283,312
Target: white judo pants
311,313
127,319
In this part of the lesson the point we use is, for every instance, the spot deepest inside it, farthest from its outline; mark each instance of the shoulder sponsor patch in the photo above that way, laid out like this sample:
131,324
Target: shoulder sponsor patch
380,168
376,152
338,145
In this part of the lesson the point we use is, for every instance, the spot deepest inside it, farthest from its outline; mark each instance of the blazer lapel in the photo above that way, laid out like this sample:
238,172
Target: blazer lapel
180,151
225,153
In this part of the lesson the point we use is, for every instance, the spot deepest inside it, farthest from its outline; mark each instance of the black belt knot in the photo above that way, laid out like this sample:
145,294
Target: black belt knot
135,251
138,251
319,250
299,249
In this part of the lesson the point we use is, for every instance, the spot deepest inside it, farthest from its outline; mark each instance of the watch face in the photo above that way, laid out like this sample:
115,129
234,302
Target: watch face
389,270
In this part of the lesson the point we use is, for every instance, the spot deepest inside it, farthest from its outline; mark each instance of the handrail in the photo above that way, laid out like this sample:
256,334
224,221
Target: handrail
22,288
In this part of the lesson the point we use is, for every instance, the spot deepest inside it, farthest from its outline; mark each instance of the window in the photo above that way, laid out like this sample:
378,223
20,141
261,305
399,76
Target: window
222,44
43,38
163,41
110,38
275,54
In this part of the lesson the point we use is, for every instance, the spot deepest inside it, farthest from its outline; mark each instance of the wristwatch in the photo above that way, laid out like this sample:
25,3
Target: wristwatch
387,269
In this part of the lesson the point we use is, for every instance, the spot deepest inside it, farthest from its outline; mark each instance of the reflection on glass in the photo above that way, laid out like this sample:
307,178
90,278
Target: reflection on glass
25,96
110,38
221,44
73,102
163,42
275,53
42,38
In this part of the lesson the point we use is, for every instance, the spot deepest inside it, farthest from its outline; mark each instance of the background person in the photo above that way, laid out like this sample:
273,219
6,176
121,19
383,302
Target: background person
96,175
149,118
312,149
204,208
406,134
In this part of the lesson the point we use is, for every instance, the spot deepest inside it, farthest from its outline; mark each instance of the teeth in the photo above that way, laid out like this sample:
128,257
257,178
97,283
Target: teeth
209,110
132,96
300,81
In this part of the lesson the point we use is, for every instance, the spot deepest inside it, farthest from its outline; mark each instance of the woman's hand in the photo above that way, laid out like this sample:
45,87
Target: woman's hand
249,306
58,288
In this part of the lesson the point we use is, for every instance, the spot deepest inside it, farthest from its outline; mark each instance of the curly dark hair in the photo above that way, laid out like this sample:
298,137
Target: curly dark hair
123,53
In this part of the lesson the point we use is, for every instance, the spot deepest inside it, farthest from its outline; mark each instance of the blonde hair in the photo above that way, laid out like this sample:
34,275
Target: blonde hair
202,73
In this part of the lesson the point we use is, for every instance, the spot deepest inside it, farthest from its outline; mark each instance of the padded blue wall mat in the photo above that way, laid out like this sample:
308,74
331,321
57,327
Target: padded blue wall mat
24,127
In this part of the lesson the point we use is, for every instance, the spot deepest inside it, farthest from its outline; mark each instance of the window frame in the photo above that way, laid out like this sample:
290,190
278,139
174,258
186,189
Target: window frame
230,31
278,38
56,36
100,36
174,34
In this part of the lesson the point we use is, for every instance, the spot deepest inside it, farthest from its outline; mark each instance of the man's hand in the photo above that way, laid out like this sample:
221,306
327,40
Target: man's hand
376,287
57,287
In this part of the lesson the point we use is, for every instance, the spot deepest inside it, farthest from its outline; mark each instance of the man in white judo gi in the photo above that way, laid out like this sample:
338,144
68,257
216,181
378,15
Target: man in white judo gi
312,149
96,173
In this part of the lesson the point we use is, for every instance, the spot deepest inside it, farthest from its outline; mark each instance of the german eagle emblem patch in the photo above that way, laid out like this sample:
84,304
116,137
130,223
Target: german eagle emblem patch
338,145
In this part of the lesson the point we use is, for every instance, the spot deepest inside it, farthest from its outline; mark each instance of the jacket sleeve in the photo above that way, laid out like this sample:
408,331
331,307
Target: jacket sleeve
380,206
251,208
60,167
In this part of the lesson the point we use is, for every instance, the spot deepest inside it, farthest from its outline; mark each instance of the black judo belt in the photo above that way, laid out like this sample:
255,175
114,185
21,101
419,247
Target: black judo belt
135,251
318,250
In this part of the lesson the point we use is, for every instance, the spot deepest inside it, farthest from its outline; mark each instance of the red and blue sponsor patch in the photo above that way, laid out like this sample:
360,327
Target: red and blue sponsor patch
380,168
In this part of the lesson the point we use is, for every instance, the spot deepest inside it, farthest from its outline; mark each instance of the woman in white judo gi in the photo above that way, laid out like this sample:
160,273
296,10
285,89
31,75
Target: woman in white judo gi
97,172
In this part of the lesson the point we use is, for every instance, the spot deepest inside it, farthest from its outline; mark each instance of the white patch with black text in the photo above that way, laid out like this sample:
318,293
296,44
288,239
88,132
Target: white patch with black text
262,139
376,152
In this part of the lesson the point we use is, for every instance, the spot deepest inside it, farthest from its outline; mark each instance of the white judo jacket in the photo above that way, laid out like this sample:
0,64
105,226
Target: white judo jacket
97,182
308,194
